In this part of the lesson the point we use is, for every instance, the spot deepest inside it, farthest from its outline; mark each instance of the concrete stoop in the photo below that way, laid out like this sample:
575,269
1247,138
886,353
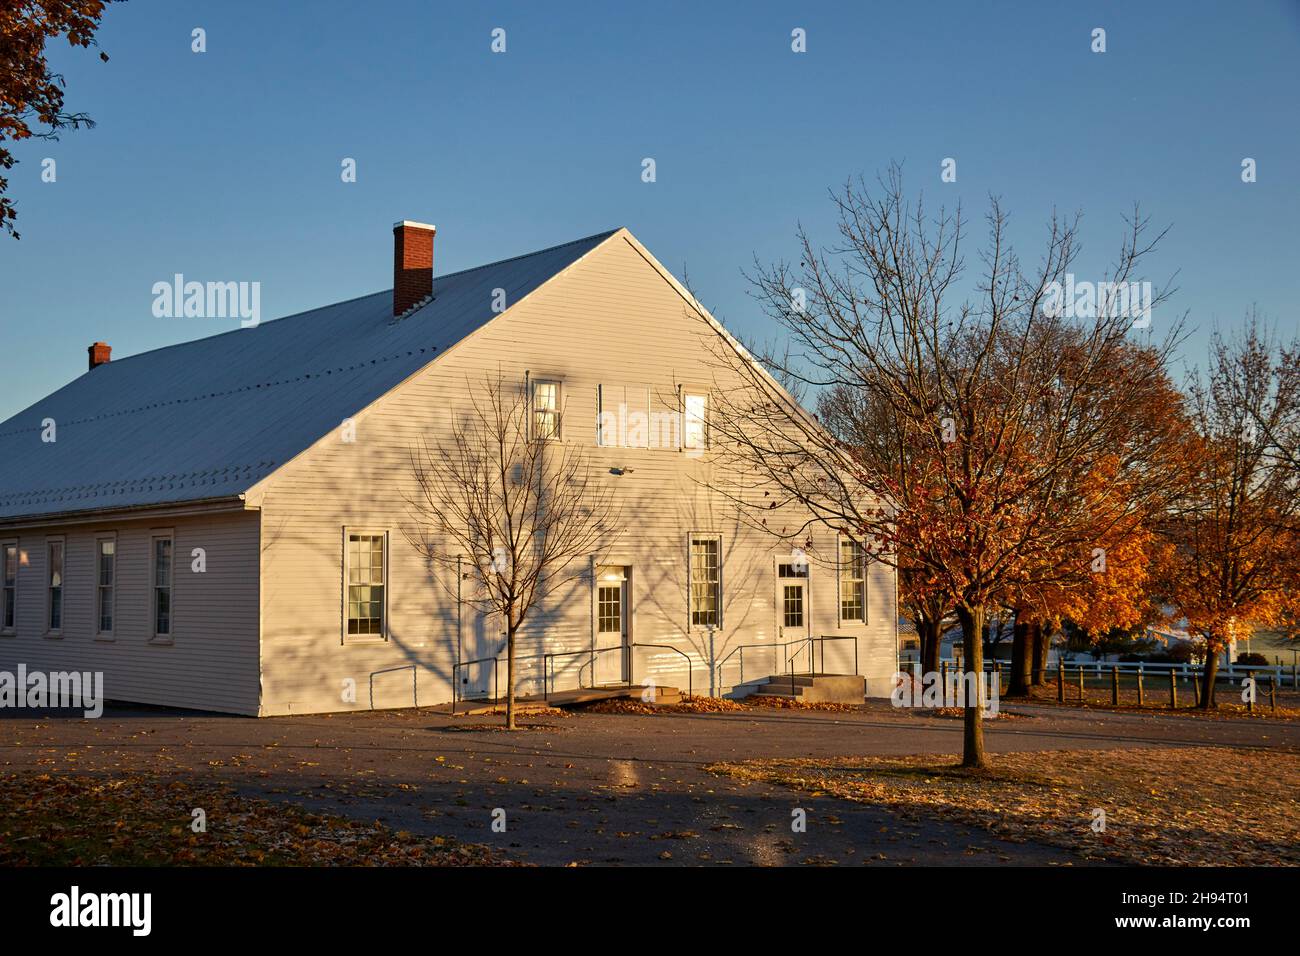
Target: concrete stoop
815,688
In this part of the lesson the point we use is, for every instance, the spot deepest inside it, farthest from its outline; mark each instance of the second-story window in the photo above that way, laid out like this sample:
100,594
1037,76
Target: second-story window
695,422
546,410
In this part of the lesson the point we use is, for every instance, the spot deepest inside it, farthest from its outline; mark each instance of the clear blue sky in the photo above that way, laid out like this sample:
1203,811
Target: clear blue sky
225,165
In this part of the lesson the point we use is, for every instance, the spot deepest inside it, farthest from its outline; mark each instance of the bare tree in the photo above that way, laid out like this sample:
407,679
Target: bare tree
1005,402
504,501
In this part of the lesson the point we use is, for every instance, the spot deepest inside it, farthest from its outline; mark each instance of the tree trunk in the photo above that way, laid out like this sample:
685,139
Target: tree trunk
930,635
1022,640
510,679
972,631
1208,677
1042,639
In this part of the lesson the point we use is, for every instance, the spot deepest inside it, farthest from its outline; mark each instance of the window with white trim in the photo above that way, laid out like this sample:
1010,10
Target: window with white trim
853,581
106,584
9,610
161,572
706,580
54,586
695,421
623,418
546,410
366,576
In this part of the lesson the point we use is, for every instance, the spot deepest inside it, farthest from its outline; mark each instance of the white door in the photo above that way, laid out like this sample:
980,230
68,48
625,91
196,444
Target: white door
477,674
611,665
792,613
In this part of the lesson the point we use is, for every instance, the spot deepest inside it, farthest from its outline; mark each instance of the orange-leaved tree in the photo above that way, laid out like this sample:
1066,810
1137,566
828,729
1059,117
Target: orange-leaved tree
1236,532
998,400
31,95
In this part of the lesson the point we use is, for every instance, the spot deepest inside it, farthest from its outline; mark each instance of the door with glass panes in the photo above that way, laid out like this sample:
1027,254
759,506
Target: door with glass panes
792,609
612,615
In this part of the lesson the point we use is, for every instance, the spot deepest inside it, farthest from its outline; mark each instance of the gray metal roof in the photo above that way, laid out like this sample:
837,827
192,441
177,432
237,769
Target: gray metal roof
210,418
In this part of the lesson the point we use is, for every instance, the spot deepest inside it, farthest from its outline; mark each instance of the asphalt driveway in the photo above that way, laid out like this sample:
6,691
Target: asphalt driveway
598,788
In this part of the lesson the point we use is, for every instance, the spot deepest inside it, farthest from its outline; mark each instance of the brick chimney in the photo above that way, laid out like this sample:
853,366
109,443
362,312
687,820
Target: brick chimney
100,354
412,264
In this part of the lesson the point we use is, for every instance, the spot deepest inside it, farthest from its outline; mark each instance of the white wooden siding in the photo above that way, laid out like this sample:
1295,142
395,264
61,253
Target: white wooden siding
611,320
211,662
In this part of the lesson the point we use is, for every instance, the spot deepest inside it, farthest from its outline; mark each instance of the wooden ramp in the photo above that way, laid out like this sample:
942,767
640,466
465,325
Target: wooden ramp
569,698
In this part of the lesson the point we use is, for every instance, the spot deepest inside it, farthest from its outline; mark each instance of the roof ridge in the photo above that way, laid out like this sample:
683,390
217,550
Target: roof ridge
603,234
432,349
347,362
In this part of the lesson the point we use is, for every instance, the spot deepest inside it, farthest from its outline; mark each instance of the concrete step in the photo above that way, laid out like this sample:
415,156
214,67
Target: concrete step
818,688
799,680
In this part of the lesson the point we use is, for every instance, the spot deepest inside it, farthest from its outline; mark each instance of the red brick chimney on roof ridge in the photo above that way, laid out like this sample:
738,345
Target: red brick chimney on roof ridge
100,354
412,264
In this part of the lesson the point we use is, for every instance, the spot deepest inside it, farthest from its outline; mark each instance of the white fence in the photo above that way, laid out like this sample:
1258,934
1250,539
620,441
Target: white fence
1283,676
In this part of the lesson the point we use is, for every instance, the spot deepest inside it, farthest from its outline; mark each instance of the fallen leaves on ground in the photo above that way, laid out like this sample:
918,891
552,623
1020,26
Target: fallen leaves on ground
708,705
1211,806
619,707
959,713
790,703
715,705
68,820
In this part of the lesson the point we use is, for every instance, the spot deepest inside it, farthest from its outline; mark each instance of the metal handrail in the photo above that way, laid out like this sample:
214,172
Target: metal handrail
496,678
837,637
549,656
819,639
415,682
690,680
789,661
739,648
592,663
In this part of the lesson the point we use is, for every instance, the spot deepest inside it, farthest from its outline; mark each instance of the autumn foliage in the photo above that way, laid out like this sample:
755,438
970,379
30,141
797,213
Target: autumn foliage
999,454
31,95
1235,533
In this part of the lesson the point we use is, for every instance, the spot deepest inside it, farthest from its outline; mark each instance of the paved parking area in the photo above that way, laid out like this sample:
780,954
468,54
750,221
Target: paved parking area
597,788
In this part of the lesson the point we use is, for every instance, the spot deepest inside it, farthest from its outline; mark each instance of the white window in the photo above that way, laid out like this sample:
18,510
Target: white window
546,410
606,425
106,572
623,416
9,609
853,581
695,423
366,576
54,586
706,580
161,570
